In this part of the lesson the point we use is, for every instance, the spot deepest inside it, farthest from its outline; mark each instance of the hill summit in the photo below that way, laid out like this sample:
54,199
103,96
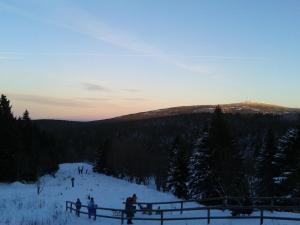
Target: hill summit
247,107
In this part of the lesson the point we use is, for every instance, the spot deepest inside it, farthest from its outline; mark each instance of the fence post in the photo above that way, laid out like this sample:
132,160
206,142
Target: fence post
261,216
95,213
161,217
181,207
208,216
66,205
71,207
122,217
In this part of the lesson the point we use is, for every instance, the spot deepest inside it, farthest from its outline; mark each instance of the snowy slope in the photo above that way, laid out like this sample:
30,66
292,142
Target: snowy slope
20,204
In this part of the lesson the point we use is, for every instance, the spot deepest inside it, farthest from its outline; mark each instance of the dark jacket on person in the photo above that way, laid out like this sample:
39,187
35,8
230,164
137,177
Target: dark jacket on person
78,204
129,208
91,205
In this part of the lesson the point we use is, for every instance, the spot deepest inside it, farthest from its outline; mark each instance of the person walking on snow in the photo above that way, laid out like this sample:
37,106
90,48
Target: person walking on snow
78,207
129,210
92,208
72,180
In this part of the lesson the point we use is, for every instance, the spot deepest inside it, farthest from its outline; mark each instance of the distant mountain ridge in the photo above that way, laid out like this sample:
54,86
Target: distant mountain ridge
247,107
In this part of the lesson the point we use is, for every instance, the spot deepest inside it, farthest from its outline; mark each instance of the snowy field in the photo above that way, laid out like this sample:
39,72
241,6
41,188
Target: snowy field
20,204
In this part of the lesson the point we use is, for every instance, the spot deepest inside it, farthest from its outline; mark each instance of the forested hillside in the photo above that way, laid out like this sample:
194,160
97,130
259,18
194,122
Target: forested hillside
242,151
26,152
191,155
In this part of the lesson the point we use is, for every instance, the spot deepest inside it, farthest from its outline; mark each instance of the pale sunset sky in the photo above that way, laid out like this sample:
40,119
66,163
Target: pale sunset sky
90,59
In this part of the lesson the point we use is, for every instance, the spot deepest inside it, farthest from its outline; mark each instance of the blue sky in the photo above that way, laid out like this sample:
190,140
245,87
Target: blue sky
89,59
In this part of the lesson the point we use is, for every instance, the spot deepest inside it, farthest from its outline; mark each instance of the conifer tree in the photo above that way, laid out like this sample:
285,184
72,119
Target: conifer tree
178,170
101,158
221,167
21,144
5,109
226,160
200,184
29,153
8,142
266,168
289,149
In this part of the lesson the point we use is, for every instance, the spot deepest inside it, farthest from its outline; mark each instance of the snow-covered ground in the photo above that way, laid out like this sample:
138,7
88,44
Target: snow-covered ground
20,204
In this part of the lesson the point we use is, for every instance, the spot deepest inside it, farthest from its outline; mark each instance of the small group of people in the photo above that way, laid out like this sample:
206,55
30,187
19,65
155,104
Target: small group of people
130,208
80,169
91,207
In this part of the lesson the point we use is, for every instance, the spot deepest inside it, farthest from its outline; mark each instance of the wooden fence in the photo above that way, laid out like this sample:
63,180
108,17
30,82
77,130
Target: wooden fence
119,214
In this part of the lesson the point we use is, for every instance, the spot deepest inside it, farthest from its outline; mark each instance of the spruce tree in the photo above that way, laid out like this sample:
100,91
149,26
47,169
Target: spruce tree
226,160
5,109
224,170
200,184
289,163
8,141
29,153
266,167
101,158
21,145
178,173
281,164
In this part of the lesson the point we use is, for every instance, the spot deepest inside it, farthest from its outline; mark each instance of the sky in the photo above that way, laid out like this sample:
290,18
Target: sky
89,59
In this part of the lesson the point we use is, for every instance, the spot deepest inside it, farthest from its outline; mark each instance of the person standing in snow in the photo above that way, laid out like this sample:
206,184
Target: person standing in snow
78,207
92,208
129,210
72,180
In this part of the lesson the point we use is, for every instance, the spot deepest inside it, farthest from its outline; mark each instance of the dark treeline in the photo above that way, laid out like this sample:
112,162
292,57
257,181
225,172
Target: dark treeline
192,155
26,152
227,155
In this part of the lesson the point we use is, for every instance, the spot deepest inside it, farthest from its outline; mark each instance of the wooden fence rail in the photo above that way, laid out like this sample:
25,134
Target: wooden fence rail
120,214
227,201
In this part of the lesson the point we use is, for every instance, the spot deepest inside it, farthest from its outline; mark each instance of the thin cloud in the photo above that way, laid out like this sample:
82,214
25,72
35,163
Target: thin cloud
95,87
85,23
54,101
134,99
132,90
95,54
5,56
9,58
96,99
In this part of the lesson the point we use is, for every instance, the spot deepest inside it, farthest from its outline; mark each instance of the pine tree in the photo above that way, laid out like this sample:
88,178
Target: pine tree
281,160
222,169
21,144
178,170
289,149
26,116
172,163
8,140
5,109
226,160
200,184
29,153
101,158
266,167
